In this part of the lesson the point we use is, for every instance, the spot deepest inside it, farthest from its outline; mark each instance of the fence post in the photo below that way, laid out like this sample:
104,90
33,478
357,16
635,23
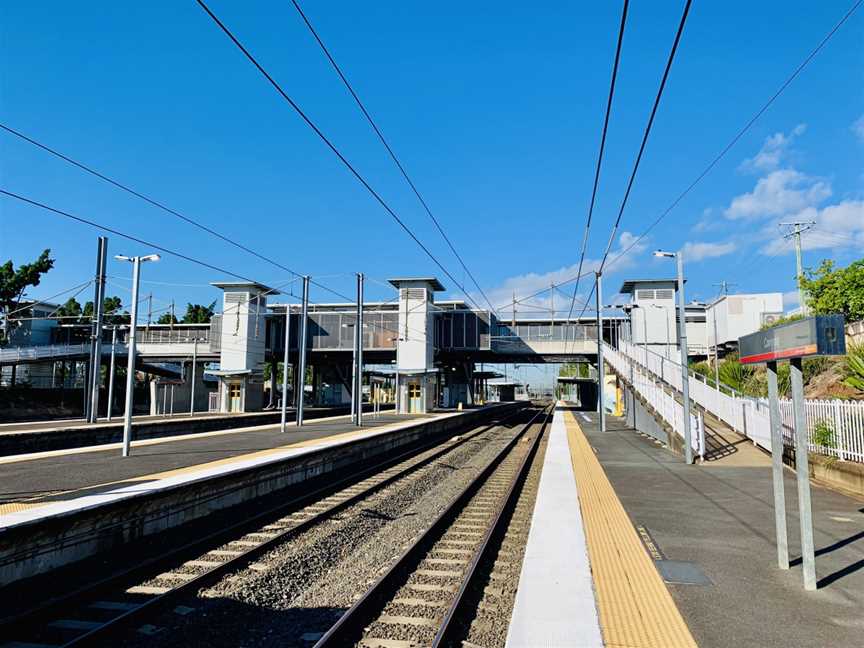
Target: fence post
839,437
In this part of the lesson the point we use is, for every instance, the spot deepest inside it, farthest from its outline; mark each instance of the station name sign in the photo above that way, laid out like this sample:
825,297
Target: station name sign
813,336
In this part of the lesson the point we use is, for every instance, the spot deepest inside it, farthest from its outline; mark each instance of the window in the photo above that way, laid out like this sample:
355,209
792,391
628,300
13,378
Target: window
414,391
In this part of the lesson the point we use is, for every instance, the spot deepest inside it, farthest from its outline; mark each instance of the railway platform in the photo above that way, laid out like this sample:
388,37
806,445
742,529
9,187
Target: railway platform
658,553
35,481
61,507
40,436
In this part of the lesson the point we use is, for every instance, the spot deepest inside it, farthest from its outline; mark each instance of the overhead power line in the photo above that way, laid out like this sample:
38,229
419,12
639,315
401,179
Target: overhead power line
129,237
387,146
362,180
157,204
744,129
796,72
600,154
647,131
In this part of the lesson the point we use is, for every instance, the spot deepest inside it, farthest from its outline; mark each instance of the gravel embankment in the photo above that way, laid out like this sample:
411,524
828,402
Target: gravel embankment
296,591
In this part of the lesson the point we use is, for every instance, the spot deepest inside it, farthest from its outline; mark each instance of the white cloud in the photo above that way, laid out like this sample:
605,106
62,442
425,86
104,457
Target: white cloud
774,150
697,251
837,226
780,192
526,284
858,128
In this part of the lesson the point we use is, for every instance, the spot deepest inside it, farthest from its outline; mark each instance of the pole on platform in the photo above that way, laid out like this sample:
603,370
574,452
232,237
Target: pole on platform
285,366
96,336
359,399
130,359
192,387
805,512
601,410
111,372
130,343
354,370
685,372
301,378
777,467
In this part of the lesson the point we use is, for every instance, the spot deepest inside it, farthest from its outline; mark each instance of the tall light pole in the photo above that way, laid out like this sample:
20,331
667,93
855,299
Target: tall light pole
682,340
301,378
96,336
359,384
285,366
130,342
601,410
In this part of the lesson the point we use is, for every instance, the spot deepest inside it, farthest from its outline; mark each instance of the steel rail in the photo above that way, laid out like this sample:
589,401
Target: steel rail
497,526
97,590
350,624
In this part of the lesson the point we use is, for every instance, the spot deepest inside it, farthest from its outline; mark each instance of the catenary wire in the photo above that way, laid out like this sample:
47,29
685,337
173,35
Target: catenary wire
387,146
360,178
600,154
796,72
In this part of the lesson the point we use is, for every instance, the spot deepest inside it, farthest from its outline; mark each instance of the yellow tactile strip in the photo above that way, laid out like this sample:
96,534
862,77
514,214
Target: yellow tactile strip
635,607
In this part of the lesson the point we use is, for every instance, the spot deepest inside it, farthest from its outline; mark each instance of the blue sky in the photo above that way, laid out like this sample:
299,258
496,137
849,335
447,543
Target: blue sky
495,109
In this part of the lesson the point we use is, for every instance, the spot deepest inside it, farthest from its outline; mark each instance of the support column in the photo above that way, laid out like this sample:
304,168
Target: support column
301,378
777,467
601,410
805,512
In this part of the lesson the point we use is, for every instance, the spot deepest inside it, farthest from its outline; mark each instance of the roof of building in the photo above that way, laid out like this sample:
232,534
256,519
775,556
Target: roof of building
630,285
436,285
228,285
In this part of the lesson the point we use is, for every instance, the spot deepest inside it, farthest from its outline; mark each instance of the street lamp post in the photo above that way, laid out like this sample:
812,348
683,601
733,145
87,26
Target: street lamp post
682,340
130,362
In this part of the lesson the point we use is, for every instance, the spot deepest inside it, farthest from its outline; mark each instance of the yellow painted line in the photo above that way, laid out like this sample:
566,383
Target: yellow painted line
167,439
636,609
13,507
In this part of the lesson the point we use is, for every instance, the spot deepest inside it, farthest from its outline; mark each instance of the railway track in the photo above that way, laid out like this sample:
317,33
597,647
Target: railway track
93,614
418,598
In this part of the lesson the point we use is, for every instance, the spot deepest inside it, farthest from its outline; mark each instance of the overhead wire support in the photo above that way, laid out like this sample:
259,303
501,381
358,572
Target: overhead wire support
647,132
387,146
360,178
600,153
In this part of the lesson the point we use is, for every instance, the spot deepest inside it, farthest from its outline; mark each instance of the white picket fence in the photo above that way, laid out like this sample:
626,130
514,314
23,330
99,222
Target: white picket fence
750,416
659,397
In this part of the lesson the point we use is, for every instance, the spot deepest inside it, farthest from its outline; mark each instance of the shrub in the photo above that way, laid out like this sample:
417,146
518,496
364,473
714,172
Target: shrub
823,434
854,367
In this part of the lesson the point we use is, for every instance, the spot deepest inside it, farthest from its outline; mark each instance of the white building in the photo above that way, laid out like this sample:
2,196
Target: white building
417,380
652,314
697,329
242,344
733,316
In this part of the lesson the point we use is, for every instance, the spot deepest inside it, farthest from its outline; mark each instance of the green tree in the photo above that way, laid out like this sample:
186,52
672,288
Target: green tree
15,282
198,314
831,290
167,318
71,311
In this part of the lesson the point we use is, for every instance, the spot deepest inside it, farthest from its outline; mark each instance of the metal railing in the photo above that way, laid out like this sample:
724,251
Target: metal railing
658,395
749,416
